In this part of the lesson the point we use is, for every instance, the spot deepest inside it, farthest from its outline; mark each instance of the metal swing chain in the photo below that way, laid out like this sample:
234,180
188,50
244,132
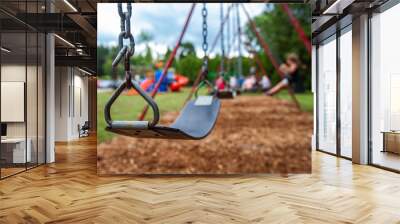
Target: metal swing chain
205,43
228,44
222,69
204,69
125,51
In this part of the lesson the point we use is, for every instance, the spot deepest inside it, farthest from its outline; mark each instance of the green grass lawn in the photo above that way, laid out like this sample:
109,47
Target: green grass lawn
129,107
305,99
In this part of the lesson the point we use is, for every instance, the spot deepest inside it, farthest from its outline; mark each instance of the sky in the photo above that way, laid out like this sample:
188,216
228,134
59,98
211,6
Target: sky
164,21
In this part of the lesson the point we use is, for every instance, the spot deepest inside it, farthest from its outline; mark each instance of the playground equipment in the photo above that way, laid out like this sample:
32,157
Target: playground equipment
223,91
175,83
197,118
179,81
145,85
172,81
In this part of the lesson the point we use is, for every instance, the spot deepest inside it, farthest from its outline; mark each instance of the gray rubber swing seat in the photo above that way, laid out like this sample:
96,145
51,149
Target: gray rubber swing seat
195,121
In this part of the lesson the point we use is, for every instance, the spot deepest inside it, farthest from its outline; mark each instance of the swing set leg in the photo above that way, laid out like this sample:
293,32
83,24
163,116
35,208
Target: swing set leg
294,99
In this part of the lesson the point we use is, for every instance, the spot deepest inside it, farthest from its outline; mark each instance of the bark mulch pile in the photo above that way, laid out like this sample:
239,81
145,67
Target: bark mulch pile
254,134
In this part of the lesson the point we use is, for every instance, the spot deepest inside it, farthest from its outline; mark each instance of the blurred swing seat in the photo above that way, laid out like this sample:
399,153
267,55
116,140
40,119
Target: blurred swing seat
195,121
226,94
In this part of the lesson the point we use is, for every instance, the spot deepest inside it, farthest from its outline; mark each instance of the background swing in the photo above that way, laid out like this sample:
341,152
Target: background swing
228,93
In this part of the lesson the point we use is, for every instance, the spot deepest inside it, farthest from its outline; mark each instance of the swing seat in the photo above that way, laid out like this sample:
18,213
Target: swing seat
226,94
196,121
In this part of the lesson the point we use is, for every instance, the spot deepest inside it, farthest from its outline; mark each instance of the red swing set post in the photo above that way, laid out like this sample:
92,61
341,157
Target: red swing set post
295,22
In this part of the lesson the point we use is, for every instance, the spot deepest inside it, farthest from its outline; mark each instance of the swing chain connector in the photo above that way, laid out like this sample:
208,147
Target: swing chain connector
222,67
204,67
126,28
125,51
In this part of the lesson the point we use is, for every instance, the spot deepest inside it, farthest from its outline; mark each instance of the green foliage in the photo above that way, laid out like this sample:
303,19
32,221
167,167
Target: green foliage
105,57
145,37
214,63
101,51
189,66
187,48
106,68
280,35
148,58
305,99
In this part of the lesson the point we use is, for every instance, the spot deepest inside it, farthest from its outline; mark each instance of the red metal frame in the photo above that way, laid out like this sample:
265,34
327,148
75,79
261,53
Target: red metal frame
295,22
259,63
264,44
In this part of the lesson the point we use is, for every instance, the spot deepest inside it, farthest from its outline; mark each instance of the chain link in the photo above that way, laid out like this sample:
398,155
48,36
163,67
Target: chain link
125,51
204,13
126,28
222,39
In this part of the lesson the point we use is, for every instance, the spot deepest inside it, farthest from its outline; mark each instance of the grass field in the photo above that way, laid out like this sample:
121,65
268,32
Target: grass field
305,99
129,107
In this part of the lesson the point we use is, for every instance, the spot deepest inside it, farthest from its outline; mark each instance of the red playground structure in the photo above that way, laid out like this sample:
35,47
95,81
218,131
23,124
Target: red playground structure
175,84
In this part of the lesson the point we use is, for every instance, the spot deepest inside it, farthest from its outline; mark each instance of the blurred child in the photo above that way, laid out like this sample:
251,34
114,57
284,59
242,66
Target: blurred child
291,69
233,84
265,83
220,83
250,83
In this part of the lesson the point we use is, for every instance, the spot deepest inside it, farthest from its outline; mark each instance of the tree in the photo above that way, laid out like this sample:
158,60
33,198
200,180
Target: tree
145,37
102,53
186,48
148,56
189,66
278,32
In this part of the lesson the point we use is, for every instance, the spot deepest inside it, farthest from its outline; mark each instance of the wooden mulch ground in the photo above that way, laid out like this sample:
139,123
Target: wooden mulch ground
254,134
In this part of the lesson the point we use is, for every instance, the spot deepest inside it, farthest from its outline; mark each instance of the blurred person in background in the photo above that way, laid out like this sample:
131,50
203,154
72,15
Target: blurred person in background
290,69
